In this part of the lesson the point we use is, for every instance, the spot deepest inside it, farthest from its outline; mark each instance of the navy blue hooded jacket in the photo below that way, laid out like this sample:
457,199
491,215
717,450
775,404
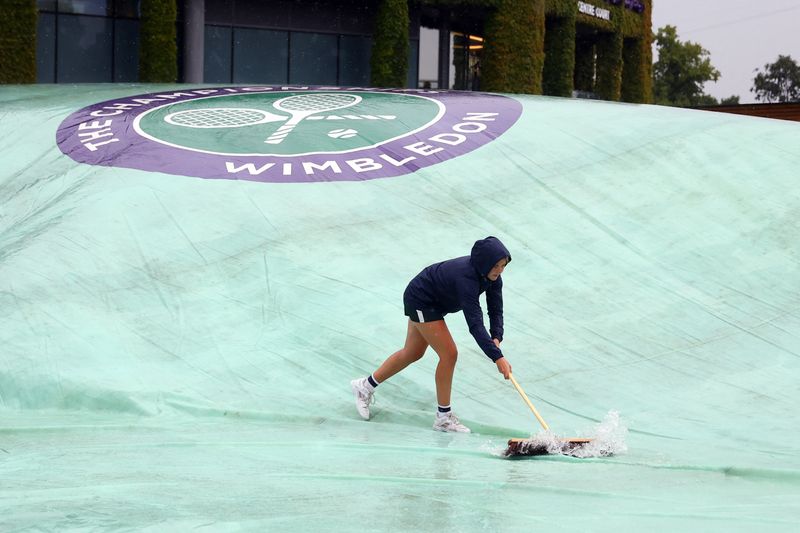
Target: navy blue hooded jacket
456,285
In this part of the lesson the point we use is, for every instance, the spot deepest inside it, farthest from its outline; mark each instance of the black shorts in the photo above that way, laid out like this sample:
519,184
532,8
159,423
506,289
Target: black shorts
418,313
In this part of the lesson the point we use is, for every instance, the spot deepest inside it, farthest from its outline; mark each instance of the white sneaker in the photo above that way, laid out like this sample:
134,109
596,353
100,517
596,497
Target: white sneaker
449,423
364,396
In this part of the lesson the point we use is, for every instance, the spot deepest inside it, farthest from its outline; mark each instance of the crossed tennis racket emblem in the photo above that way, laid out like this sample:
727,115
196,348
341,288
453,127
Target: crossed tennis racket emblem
299,107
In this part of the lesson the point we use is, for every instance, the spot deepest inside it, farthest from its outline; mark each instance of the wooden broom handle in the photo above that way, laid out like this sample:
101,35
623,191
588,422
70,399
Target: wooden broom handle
525,397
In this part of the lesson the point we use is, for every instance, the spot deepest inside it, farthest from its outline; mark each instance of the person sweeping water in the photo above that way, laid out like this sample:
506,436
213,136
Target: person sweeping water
447,287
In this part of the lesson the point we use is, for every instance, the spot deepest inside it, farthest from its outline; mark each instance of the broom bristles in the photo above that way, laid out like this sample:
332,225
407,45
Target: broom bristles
533,447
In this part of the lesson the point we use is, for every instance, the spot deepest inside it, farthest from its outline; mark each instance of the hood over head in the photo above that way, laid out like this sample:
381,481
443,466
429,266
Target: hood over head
486,253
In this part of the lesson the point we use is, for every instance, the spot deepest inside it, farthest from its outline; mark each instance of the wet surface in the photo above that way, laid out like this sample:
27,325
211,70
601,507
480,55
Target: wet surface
176,352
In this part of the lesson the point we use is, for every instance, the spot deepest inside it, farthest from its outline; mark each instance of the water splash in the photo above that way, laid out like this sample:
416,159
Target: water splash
608,438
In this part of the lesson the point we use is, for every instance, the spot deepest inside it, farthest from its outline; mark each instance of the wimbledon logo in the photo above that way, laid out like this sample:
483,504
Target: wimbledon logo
285,134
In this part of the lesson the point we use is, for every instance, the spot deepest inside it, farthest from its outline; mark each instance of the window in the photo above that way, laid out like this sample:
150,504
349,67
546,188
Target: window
46,48
217,58
253,55
84,49
86,7
354,54
126,50
412,78
260,56
313,58
85,41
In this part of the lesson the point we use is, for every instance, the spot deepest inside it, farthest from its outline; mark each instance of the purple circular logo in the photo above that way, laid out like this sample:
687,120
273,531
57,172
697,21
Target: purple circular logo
285,134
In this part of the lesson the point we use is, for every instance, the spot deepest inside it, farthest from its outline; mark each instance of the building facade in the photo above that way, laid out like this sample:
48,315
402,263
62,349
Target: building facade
597,48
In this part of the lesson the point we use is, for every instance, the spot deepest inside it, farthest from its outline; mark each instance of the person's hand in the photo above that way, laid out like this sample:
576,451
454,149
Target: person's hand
504,367
496,342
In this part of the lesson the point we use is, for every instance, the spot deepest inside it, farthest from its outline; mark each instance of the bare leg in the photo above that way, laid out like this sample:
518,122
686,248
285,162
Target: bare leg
412,351
438,337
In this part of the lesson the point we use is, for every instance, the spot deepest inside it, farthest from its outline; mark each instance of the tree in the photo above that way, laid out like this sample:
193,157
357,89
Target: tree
780,81
704,100
708,100
681,70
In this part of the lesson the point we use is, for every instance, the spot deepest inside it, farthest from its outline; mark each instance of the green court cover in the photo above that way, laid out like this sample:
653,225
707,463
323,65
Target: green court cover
191,276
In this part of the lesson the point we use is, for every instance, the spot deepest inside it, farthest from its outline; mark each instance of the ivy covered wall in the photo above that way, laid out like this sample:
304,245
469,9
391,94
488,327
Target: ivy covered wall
608,67
637,61
559,54
548,47
18,41
389,61
612,58
513,54
158,49
531,46
584,64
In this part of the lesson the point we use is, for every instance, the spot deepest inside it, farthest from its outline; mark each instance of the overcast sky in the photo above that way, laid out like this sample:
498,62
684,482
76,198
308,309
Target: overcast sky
741,35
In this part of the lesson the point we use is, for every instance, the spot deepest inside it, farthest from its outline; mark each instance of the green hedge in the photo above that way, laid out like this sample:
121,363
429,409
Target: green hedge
560,8
513,54
615,65
624,58
389,60
559,55
636,71
158,50
622,20
637,62
519,55
584,64
18,41
608,67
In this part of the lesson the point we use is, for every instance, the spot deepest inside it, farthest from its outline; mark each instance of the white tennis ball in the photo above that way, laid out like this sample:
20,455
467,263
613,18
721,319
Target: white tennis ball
342,133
